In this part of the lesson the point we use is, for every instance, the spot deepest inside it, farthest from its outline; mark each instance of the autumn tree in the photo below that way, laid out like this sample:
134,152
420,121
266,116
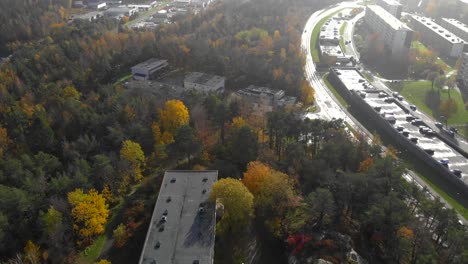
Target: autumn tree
306,93
237,202
448,107
186,143
4,141
32,253
172,117
52,220
89,212
132,153
120,236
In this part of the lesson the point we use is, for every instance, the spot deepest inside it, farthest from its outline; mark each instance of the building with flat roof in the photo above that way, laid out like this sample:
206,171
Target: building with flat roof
437,37
462,74
90,16
456,27
394,34
120,11
392,6
148,69
204,83
182,228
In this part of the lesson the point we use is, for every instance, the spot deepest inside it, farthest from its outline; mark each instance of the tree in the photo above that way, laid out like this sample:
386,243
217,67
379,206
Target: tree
243,146
52,220
319,205
132,153
306,93
173,116
448,107
32,253
103,261
120,236
432,76
237,202
89,212
4,141
186,143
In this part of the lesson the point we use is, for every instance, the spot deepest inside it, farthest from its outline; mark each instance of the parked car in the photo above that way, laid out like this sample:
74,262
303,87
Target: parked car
413,107
438,124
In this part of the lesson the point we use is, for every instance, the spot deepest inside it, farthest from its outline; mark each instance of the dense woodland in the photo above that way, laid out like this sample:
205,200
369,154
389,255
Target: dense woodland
74,145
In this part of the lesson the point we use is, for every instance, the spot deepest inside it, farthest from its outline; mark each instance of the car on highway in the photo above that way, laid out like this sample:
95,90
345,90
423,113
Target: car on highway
410,118
399,97
414,139
456,172
429,151
444,162
438,124
417,122
399,128
413,107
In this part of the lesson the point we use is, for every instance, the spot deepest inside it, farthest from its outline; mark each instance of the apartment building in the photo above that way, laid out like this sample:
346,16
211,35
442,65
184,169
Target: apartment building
437,37
395,35
462,75
456,27
392,6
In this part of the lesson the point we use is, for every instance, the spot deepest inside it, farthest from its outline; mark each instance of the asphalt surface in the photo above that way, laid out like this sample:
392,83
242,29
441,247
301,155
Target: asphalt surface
329,106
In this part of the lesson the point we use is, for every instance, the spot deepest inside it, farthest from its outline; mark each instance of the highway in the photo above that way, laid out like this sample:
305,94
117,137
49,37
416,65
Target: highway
329,107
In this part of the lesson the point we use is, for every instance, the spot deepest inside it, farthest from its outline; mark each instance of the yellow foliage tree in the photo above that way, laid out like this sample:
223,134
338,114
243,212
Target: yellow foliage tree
89,212
237,123
307,94
103,261
132,152
157,135
405,232
256,174
173,116
237,202
32,253
70,92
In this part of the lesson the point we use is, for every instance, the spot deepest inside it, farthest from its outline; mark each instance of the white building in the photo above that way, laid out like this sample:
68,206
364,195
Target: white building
148,69
395,35
264,99
392,6
121,11
463,71
456,27
437,37
204,83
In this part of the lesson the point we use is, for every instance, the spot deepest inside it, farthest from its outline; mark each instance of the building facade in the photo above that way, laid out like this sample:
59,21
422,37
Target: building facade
437,37
462,75
395,35
392,6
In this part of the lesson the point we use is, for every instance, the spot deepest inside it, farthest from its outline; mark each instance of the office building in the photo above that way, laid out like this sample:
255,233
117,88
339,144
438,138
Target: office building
204,83
456,27
182,228
438,38
121,11
149,69
392,6
395,35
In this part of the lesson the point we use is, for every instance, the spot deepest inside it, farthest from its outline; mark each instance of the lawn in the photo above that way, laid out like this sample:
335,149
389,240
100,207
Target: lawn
91,253
415,92
342,29
335,92
315,36
418,45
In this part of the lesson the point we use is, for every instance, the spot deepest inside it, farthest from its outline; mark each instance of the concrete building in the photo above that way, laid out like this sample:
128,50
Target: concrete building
90,16
182,228
204,83
395,35
456,27
120,11
97,5
148,69
437,37
264,99
330,32
392,6
462,75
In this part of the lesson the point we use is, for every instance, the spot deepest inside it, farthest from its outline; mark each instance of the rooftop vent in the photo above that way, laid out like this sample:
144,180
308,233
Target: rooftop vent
205,179
157,245
165,212
163,219
173,180
168,199
161,228
204,191
196,261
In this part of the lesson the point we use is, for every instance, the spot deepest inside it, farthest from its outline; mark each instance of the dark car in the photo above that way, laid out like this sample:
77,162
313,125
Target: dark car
438,124
413,107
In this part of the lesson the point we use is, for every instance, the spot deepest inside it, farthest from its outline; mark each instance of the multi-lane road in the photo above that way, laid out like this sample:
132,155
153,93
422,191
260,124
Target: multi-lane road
329,107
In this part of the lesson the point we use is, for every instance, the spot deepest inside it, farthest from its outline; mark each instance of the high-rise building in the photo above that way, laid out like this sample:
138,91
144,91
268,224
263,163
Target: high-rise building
395,35
456,27
392,6
437,37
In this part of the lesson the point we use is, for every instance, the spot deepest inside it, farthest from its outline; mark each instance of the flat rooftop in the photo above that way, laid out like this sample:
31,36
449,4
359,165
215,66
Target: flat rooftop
187,234
388,18
151,63
257,90
463,27
392,2
438,29
331,29
332,50
375,98
203,78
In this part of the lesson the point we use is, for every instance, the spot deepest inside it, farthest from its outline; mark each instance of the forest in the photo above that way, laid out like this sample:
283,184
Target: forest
75,145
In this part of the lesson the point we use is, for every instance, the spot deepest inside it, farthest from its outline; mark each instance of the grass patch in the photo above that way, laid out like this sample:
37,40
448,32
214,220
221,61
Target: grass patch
92,252
415,92
456,205
123,79
335,92
315,36
418,45
342,29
